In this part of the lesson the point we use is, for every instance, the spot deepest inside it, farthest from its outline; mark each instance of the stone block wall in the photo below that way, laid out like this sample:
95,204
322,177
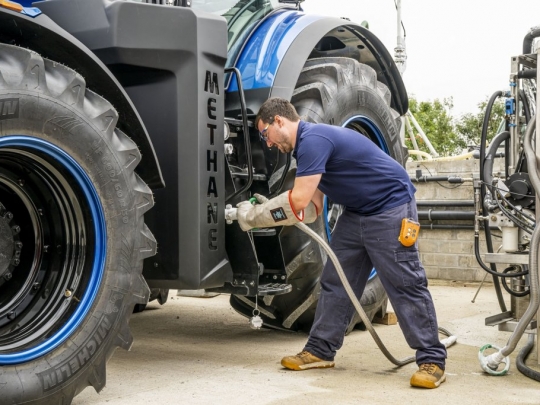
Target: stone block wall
448,254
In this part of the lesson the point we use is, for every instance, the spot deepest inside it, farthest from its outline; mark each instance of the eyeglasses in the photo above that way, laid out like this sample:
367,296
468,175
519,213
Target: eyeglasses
263,134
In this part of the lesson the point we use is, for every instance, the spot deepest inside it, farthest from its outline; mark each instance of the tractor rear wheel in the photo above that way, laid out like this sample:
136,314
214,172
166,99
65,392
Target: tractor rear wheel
337,91
72,233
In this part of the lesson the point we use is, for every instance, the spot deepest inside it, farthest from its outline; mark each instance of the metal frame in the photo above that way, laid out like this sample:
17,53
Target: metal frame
517,63
537,197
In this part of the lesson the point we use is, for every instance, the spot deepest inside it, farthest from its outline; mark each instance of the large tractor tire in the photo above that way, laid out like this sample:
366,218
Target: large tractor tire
72,233
159,294
337,91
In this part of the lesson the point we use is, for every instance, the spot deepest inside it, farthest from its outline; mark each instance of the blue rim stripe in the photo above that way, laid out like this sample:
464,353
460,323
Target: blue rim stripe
380,142
100,254
374,130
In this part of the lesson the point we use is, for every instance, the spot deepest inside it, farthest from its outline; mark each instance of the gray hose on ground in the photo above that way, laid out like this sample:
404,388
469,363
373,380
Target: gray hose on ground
522,357
447,342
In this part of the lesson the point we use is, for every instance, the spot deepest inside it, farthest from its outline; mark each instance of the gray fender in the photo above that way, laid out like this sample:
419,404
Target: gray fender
356,42
45,37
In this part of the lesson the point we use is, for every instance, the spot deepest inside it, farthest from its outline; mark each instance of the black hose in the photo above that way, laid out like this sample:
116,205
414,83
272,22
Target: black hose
487,231
245,126
533,33
495,274
522,224
527,74
518,294
522,357
526,106
527,113
490,157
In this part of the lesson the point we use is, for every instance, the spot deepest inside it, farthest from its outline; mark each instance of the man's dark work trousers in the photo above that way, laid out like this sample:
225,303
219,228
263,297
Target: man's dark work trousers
362,243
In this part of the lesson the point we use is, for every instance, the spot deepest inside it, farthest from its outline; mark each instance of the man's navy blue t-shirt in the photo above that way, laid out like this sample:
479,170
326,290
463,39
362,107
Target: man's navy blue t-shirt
355,172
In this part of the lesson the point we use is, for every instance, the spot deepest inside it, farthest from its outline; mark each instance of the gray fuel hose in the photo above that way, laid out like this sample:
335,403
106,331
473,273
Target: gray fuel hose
447,342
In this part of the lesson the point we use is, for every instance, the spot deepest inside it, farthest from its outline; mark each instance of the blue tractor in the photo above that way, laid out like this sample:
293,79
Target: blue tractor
126,127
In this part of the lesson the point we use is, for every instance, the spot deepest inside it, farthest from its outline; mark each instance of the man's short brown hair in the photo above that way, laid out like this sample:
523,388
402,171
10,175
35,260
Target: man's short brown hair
276,106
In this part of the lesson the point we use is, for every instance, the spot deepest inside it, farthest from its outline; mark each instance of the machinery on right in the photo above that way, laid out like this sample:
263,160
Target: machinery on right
507,199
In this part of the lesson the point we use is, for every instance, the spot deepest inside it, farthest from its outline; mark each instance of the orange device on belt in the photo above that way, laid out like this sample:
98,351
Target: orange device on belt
409,232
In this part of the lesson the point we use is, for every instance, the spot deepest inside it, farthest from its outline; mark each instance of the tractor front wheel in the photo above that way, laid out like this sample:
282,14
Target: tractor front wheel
72,234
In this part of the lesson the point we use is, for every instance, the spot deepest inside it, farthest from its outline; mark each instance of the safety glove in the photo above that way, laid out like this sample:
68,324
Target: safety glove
277,211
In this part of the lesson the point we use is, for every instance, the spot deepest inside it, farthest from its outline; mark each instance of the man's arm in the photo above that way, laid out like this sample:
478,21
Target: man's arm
304,191
318,200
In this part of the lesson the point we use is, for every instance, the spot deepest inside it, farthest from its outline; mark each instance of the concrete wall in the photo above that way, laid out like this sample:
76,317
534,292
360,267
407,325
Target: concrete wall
448,254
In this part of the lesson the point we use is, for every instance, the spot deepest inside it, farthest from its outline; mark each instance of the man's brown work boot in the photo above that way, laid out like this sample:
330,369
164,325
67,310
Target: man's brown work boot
428,376
304,361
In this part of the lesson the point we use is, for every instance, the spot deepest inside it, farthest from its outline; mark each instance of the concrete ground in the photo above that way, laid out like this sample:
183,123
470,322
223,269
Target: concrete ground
199,351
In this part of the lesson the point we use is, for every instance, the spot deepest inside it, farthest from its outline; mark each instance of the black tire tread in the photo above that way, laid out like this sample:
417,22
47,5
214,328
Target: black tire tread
22,70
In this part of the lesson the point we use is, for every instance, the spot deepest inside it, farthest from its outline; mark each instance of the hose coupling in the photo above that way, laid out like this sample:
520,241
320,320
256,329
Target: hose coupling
490,363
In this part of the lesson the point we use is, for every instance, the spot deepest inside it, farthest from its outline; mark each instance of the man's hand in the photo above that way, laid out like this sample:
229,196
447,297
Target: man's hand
274,212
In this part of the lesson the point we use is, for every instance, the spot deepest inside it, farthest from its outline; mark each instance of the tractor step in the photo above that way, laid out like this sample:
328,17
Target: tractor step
274,289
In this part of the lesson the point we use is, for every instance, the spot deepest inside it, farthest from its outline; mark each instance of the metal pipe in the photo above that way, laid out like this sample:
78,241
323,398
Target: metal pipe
532,166
431,226
411,136
533,304
425,179
432,215
400,55
533,33
422,134
487,231
445,203
493,360
247,140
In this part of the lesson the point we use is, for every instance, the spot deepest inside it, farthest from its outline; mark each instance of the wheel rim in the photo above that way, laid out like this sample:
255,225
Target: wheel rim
53,235
368,128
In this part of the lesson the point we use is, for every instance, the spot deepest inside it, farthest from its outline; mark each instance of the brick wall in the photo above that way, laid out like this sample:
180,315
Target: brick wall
448,254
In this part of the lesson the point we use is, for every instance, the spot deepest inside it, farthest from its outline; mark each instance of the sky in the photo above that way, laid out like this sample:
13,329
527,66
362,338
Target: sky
459,49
